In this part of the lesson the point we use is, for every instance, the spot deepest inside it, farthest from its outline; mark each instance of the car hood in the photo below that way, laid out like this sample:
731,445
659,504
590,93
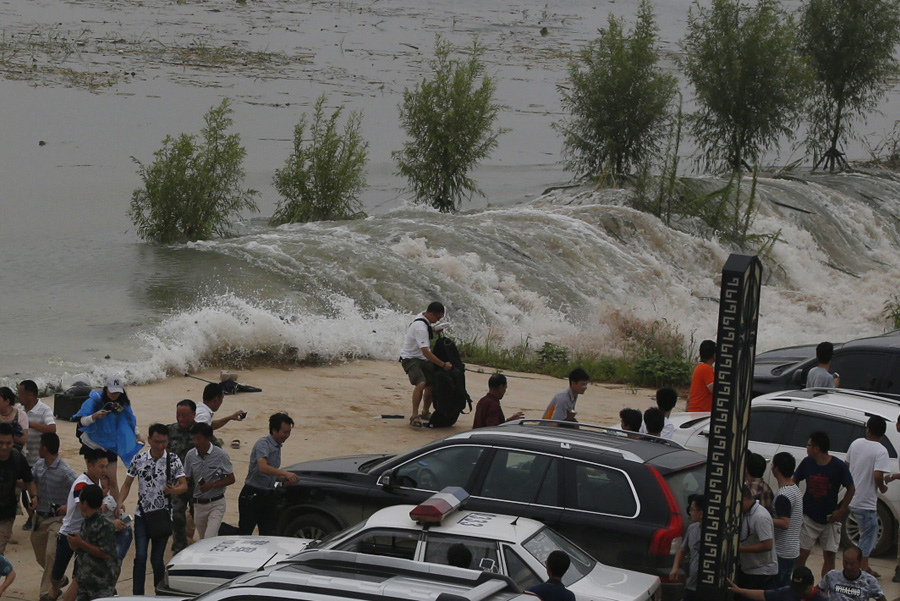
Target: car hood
615,584
342,465
211,561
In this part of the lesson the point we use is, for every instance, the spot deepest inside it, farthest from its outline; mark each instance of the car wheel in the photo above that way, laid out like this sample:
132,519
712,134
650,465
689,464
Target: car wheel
885,538
311,525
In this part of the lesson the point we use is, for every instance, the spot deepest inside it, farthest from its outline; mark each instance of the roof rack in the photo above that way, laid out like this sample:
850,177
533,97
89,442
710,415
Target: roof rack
617,432
884,397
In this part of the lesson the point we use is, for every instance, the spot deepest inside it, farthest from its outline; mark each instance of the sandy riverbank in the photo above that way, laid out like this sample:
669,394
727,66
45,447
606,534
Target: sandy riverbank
337,410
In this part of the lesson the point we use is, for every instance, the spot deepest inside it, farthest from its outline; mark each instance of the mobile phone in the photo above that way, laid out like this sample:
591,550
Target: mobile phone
243,415
201,481
126,520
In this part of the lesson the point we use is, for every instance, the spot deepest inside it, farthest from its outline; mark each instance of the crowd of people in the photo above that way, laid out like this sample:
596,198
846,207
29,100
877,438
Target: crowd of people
179,472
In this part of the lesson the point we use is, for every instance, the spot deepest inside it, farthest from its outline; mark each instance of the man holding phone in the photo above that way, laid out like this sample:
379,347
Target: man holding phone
213,397
210,469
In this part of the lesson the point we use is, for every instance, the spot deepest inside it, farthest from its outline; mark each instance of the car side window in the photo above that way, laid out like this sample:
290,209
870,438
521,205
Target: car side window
449,466
518,570
523,477
860,371
385,543
603,490
484,551
840,433
767,425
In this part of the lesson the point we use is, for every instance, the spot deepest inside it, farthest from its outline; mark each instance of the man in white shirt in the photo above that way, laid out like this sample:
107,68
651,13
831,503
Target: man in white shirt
213,397
40,421
869,462
418,361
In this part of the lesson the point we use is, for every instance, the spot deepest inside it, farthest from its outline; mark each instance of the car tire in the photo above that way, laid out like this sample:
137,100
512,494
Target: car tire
886,529
311,525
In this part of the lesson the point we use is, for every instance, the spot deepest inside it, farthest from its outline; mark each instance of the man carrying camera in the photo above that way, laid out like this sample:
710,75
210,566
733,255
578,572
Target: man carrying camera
210,469
54,478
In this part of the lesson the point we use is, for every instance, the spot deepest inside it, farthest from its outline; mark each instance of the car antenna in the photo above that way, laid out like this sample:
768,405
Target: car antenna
513,523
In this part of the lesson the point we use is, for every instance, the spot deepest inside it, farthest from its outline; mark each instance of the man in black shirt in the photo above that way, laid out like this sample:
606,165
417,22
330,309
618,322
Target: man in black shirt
13,468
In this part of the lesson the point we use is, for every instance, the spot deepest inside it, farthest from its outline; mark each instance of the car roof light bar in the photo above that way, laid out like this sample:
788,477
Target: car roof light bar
438,506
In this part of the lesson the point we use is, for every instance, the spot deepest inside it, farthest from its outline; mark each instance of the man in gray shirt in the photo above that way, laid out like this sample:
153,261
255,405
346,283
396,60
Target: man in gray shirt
759,563
562,407
819,376
209,468
257,496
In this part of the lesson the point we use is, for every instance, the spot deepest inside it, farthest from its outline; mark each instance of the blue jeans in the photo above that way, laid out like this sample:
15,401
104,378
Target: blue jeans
867,519
123,542
157,556
785,569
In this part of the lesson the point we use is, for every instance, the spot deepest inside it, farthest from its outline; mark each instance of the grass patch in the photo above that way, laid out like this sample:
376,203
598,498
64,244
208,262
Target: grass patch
644,368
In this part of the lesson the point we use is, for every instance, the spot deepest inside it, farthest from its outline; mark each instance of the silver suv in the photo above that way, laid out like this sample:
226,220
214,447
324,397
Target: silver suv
783,421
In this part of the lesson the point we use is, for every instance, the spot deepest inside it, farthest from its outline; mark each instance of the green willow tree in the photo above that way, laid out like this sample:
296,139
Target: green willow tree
619,100
749,80
192,191
449,118
850,45
323,177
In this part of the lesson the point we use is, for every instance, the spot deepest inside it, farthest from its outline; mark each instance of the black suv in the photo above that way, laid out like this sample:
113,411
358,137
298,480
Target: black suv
621,499
870,364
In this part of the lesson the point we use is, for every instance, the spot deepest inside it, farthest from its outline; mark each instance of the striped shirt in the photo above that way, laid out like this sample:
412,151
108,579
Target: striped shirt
788,502
211,467
53,482
42,414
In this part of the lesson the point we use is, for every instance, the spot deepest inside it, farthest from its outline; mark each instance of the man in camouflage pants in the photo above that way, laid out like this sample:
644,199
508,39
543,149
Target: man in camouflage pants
180,442
96,564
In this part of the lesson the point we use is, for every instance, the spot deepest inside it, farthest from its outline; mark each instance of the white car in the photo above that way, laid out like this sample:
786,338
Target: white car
319,575
783,421
501,544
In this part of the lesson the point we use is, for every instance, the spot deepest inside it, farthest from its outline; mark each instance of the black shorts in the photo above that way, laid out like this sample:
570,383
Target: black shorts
110,455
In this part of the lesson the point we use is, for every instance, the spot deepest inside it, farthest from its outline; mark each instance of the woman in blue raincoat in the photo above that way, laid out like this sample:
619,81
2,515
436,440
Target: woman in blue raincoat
108,423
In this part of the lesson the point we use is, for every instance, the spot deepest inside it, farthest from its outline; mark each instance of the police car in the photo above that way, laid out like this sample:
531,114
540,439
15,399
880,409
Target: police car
506,545
321,575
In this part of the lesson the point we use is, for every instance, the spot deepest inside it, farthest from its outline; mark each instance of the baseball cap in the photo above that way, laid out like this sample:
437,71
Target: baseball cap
115,384
801,580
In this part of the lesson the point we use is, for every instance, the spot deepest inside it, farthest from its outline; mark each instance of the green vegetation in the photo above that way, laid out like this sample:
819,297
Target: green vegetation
850,44
892,311
618,99
654,354
322,179
449,119
749,78
192,190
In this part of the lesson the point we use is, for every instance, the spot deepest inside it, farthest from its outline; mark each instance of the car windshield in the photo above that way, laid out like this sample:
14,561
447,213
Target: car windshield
545,541
687,482
334,538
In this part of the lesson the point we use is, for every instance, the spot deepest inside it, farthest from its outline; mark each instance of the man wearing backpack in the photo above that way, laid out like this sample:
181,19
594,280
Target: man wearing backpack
419,362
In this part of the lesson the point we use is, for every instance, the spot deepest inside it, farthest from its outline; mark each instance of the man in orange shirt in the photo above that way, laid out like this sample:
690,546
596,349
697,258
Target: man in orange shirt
700,398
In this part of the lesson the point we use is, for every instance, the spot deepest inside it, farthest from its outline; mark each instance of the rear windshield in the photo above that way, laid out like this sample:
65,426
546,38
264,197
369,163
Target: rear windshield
687,482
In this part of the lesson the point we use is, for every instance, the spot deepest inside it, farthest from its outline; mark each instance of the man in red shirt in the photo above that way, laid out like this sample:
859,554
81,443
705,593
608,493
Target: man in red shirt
700,398
488,411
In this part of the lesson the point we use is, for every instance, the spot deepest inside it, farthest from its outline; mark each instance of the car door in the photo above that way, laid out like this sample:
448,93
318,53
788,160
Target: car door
423,475
601,511
520,482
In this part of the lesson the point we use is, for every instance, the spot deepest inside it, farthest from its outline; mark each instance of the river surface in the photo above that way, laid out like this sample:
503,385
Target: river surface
88,85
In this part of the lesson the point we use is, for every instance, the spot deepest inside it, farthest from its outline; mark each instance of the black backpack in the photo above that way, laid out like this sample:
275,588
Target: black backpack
448,392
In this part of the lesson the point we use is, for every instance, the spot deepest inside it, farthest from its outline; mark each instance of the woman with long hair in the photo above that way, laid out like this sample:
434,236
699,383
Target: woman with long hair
108,423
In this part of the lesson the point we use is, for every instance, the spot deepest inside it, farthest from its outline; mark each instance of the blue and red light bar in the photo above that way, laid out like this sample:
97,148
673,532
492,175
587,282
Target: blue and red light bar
438,506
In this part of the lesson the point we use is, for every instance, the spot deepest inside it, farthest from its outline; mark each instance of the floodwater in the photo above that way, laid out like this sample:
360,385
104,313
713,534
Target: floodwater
88,85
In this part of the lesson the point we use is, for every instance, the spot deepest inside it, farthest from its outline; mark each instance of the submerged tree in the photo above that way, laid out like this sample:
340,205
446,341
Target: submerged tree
322,179
192,191
850,45
748,78
619,99
449,118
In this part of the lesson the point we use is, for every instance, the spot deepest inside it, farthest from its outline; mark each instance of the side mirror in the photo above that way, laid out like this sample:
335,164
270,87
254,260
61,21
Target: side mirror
387,480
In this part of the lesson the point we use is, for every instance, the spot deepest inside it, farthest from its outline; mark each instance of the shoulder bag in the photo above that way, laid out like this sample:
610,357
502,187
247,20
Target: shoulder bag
159,521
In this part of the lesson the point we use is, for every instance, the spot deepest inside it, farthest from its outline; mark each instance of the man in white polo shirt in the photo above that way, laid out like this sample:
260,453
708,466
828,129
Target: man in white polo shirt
213,397
418,361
